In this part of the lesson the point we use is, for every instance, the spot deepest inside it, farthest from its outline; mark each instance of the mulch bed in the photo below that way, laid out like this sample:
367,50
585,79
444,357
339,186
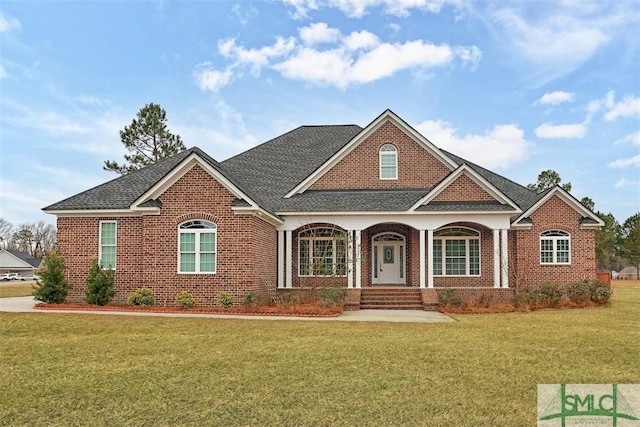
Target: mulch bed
298,310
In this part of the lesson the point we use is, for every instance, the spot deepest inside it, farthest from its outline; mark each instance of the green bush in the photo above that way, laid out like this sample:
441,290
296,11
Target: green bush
332,297
52,286
579,292
185,300
142,297
449,297
549,293
225,299
600,292
99,284
250,298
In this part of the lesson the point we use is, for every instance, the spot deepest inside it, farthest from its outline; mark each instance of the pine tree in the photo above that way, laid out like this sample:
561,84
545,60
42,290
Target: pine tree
147,139
99,284
52,287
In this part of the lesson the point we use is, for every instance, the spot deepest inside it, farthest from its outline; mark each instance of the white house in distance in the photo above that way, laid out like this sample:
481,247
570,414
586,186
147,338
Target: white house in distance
18,262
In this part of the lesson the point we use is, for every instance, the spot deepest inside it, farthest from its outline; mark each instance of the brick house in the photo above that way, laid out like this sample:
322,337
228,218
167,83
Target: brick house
364,208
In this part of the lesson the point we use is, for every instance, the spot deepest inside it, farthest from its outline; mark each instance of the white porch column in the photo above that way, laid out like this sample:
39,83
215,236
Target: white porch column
358,259
430,258
280,259
496,258
505,259
423,272
350,259
289,266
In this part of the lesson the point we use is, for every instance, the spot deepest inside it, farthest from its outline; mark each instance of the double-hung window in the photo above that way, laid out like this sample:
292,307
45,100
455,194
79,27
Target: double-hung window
108,241
197,247
388,162
456,252
555,247
322,252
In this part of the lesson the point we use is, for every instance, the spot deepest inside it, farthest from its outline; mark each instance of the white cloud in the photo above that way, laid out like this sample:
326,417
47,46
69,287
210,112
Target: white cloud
555,98
244,12
318,33
344,60
557,37
623,163
551,131
8,23
623,182
208,78
633,139
499,147
256,58
3,73
629,106
359,8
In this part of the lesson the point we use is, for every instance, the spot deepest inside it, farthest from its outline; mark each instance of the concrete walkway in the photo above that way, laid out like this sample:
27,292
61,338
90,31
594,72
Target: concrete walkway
25,305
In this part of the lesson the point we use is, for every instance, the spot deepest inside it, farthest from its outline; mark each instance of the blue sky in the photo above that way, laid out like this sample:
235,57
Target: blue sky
518,87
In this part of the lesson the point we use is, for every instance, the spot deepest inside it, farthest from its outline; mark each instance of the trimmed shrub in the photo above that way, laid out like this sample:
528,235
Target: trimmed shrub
52,287
250,298
185,300
600,292
332,297
225,299
141,297
549,293
449,297
99,284
579,292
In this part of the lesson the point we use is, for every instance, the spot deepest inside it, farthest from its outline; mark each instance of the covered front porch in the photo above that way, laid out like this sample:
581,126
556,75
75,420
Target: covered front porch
424,251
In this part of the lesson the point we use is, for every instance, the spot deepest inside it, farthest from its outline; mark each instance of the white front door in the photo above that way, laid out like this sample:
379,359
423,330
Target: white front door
388,263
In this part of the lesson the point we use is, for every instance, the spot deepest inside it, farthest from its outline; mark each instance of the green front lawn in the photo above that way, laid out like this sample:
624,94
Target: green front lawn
16,290
69,369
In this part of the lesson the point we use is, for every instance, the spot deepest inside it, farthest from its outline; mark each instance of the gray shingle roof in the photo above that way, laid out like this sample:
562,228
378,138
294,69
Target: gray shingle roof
32,261
434,206
269,171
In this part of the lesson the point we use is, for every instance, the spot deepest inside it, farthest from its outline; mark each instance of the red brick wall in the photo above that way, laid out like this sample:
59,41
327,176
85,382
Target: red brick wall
417,168
463,189
147,252
555,214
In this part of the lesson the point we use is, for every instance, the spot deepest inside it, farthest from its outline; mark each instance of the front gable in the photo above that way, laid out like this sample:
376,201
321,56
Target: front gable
420,164
559,200
464,185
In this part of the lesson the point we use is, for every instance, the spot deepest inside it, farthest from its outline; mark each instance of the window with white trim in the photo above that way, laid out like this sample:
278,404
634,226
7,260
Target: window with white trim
322,252
555,247
388,162
456,252
108,241
197,242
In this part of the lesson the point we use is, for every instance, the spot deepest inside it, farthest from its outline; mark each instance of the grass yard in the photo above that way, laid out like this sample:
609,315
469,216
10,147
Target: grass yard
68,369
18,289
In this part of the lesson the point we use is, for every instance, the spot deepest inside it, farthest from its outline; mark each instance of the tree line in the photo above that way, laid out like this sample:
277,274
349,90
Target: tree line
34,238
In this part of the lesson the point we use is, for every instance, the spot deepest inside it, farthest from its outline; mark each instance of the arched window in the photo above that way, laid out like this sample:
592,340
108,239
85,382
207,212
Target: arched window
322,252
388,162
555,247
197,247
456,252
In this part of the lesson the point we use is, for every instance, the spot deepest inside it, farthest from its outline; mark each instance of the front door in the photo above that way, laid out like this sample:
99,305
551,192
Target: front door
388,262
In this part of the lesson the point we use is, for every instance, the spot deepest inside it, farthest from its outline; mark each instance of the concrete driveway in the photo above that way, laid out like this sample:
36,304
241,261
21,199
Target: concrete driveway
25,305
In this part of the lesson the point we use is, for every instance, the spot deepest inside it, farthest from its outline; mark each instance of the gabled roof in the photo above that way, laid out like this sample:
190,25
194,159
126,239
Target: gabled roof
275,177
386,116
589,219
25,258
500,198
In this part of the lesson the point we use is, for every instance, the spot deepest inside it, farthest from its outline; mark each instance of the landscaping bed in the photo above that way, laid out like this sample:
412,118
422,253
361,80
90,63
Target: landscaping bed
299,309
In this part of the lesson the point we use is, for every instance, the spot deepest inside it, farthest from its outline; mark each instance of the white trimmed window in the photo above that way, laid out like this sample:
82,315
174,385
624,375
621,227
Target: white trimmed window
555,247
322,252
197,247
456,252
108,241
388,162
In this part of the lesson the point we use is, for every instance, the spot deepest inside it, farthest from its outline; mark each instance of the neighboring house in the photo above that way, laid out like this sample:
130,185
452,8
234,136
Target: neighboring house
367,207
18,262
628,273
